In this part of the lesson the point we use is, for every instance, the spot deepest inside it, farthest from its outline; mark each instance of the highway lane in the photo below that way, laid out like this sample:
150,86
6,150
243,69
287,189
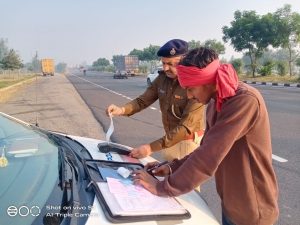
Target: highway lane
100,90
284,110
128,130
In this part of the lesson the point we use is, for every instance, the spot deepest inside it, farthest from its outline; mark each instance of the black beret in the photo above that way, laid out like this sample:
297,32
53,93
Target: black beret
173,48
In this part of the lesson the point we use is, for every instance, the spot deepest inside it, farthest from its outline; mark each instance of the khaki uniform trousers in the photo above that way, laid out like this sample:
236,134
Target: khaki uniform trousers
180,150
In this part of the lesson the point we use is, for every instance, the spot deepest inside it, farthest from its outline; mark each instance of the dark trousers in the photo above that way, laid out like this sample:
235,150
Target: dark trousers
225,220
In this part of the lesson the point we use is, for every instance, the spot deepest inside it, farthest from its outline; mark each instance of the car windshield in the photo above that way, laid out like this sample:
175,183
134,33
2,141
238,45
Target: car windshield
36,174
28,172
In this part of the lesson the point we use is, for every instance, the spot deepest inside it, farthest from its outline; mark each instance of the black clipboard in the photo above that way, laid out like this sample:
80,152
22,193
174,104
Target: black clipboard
97,182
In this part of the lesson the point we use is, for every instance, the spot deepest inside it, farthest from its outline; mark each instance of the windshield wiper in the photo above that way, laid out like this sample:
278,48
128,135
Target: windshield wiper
68,181
71,175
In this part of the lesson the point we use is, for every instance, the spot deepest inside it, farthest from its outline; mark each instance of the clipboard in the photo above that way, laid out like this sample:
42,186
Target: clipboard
111,203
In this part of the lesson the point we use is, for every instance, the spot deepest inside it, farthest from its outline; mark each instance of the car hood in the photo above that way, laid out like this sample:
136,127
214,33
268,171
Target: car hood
193,202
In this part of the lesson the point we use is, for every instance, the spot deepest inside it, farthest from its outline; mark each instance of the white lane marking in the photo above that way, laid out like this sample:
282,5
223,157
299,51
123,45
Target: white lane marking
107,89
279,159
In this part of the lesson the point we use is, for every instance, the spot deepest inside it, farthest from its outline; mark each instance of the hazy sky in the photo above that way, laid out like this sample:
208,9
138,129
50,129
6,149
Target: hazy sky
77,31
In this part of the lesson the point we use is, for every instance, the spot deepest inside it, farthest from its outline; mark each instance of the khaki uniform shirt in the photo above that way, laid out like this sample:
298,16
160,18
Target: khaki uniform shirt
180,116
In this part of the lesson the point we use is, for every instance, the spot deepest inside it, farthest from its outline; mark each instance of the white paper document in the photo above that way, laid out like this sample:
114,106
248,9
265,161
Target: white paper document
128,199
110,129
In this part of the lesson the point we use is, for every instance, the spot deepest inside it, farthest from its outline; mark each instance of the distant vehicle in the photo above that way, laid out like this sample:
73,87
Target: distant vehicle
120,75
151,76
128,63
47,67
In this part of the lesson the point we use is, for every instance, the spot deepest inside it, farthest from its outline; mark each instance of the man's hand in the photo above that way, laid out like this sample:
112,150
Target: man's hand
161,171
141,177
115,110
141,151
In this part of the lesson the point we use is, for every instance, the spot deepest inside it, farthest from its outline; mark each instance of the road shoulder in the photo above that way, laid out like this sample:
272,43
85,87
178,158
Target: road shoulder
54,104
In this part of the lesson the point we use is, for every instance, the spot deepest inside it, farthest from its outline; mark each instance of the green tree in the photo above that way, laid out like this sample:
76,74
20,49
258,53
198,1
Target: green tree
147,54
247,33
11,61
210,43
150,53
137,52
298,64
3,50
194,44
215,45
237,64
115,59
101,62
288,30
35,64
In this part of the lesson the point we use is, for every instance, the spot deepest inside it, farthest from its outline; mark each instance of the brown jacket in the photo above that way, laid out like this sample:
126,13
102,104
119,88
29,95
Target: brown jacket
236,148
180,116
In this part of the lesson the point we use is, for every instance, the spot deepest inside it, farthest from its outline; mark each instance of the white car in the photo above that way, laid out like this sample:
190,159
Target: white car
151,76
46,178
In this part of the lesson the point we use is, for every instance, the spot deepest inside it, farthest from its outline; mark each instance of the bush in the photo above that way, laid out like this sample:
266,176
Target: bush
237,64
266,69
143,69
282,68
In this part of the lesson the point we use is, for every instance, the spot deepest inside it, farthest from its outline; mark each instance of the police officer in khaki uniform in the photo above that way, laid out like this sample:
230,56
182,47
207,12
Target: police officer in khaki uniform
183,118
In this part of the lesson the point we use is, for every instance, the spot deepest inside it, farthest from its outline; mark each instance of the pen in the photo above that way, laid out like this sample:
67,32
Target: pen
156,166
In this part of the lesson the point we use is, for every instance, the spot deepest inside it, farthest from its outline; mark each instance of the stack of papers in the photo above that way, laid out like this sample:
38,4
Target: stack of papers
127,199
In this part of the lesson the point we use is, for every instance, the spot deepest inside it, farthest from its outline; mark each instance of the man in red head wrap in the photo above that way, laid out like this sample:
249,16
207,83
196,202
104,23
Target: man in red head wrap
236,147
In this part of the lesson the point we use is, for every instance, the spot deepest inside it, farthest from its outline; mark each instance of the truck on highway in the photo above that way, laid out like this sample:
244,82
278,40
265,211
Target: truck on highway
47,67
128,64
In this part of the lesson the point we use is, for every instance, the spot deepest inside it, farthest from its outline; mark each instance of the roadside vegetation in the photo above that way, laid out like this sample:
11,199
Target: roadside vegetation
13,70
13,77
272,78
270,47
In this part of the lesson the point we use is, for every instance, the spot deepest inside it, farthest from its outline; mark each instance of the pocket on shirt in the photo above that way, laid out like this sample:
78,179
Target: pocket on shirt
161,94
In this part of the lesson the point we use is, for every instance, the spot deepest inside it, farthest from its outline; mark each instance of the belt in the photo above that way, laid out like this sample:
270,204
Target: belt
193,135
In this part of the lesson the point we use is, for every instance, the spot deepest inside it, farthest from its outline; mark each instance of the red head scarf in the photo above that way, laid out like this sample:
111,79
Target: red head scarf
223,75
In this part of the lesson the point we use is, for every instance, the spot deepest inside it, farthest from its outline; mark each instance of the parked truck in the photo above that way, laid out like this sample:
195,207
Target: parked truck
127,64
47,67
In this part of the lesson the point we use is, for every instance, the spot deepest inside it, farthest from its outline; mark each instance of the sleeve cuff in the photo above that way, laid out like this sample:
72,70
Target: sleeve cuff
128,109
174,165
156,145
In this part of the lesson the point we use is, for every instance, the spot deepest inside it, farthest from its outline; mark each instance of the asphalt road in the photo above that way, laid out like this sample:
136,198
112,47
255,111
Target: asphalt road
100,90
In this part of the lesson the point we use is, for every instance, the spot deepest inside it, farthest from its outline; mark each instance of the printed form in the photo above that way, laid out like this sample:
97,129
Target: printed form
135,200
